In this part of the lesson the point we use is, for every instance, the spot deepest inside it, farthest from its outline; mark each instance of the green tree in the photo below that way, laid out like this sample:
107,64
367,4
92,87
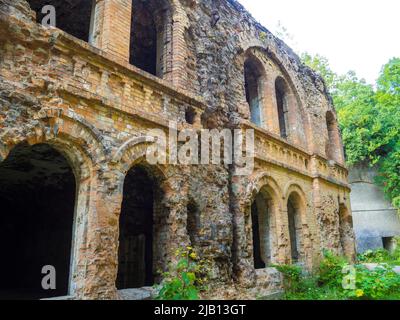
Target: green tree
388,121
321,65
369,119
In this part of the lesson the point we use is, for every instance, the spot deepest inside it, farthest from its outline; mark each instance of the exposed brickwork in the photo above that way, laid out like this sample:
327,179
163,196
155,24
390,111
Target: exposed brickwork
88,102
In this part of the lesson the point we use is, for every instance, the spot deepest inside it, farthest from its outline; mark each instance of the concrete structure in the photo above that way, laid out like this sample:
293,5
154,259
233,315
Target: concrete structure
376,222
76,190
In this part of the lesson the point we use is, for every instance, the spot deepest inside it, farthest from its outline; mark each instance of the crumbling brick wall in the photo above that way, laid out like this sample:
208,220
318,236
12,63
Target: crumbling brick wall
87,101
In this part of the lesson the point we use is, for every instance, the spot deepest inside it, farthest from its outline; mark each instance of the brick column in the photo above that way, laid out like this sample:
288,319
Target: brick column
111,27
178,74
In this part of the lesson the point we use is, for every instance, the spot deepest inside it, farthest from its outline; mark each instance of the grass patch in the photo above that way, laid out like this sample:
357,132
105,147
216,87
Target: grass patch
337,280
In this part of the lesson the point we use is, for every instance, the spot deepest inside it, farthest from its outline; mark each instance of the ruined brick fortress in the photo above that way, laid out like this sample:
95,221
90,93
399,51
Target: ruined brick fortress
76,192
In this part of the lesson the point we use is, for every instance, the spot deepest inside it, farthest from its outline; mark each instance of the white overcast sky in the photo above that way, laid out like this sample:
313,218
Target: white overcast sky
359,35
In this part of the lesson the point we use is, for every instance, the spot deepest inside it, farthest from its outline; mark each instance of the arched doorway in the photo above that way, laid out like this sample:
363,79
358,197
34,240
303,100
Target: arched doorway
263,227
37,195
143,229
294,210
151,36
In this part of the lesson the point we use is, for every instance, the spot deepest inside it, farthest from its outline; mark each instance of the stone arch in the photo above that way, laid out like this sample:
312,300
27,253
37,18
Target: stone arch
132,152
293,187
263,196
346,232
296,208
254,80
299,120
143,224
73,137
294,124
257,182
38,195
77,143
58,124
135,142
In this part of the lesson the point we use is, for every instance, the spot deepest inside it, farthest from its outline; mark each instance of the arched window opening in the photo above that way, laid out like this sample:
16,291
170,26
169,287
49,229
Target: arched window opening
253,76
282,105
75,17
190,115
37,195
331,144
295,227
389,244
261,211
151,36
142,225
193,222
346,232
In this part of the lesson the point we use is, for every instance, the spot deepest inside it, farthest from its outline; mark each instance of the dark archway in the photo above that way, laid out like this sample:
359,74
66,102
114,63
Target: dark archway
72,16
143,224
282,105
37,195
151,35
262,227
253,76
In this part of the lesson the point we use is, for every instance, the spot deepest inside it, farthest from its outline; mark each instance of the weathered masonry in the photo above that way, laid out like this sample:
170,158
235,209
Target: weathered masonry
376,222
76,106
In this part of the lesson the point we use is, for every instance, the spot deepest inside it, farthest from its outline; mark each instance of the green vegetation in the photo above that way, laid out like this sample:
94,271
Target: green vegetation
336,280
369,118
186,278
381,256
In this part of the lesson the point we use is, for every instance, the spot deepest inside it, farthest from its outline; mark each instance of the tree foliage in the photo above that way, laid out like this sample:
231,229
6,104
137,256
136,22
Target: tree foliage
369,117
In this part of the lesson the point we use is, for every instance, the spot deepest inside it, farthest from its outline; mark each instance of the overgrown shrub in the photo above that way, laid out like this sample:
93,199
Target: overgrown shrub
186,278
327,284
381,256
330,270
292,277
377,256
381,283
300,286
